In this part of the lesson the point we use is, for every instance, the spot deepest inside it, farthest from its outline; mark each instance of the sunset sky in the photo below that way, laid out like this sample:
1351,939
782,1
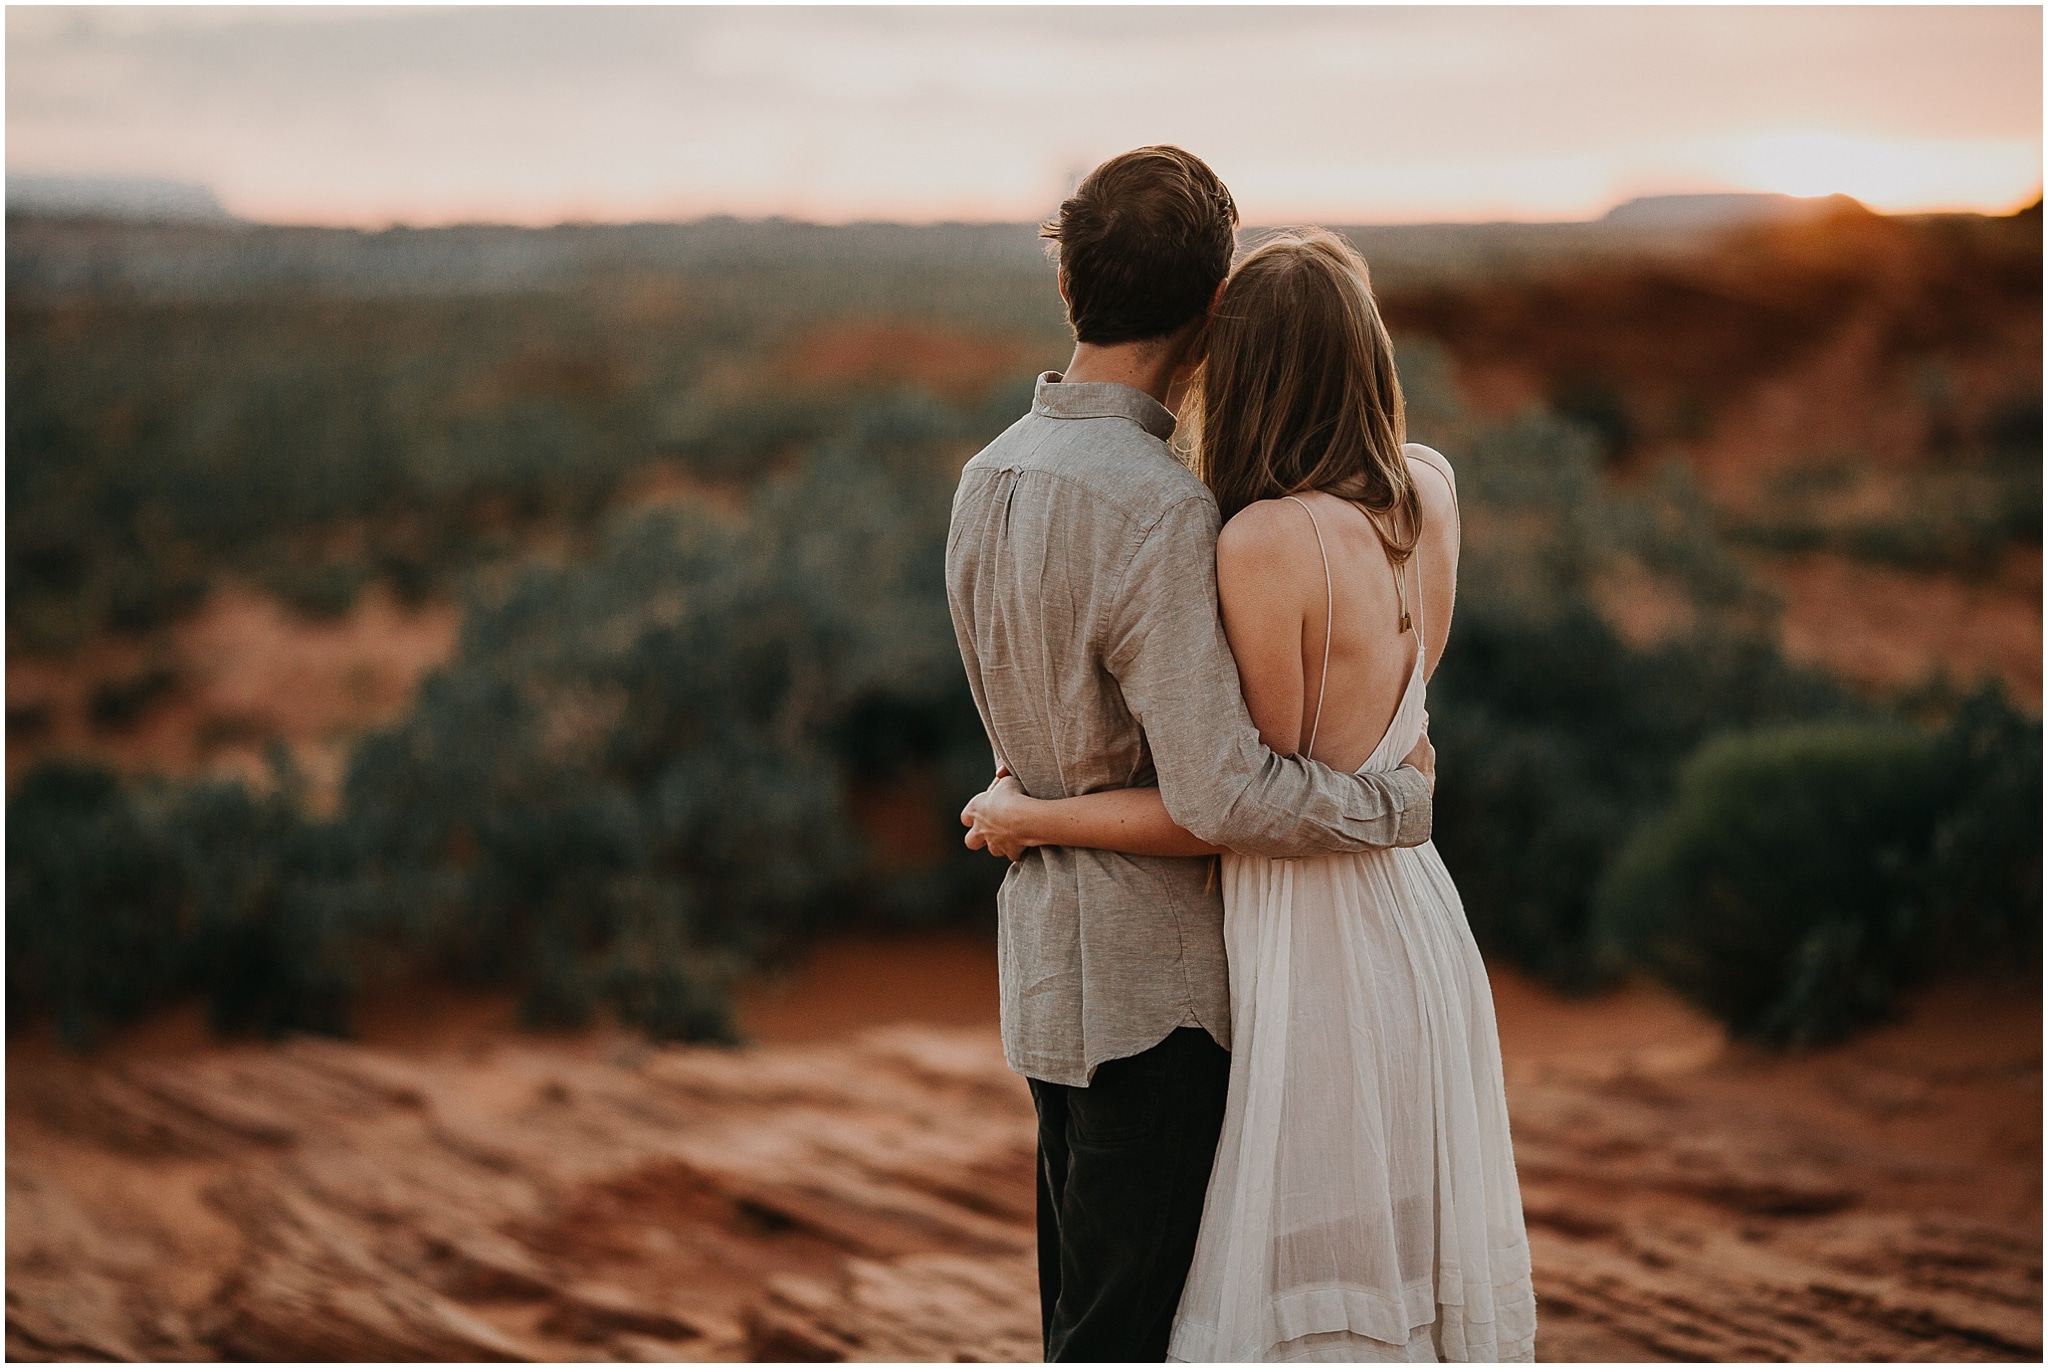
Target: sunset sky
1356,115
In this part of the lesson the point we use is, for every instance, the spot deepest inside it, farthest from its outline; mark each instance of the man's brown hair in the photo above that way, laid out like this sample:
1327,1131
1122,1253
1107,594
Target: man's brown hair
1143,243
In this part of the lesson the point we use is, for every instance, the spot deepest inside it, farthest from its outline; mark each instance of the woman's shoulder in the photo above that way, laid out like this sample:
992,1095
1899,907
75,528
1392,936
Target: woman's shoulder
1418,454
1266,556
1265,528
1437,491
1273,540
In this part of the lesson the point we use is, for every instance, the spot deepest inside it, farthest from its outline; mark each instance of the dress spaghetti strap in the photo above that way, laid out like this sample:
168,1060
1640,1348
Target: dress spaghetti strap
1421,627
1329,627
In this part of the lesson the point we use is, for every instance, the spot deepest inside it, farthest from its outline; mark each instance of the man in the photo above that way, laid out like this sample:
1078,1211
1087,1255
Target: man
1081,571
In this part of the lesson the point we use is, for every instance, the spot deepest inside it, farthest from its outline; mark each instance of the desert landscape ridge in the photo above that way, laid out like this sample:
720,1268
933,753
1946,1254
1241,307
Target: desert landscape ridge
868,1195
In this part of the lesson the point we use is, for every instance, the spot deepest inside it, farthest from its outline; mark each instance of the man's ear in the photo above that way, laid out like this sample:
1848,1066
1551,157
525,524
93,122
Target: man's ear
1064,298
1214,299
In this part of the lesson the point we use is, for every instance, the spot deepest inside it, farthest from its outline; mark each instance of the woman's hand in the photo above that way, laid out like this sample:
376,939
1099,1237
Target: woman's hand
998,820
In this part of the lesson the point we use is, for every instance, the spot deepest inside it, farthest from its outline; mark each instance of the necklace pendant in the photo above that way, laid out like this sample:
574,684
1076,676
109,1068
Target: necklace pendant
1405,626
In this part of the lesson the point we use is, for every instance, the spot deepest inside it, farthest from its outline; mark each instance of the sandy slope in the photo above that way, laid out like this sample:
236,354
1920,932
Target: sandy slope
449,1189
238,673
1888,628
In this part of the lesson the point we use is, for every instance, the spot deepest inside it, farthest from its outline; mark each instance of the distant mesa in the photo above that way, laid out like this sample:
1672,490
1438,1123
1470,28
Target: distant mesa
136,198
1725,210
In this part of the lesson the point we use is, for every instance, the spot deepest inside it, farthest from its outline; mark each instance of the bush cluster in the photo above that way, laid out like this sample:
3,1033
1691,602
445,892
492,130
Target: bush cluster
1554,734
630,785
1695,806
122,898
634,780
1804,874
317,443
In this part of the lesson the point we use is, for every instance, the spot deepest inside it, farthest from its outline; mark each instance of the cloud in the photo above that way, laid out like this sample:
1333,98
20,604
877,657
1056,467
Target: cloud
531,113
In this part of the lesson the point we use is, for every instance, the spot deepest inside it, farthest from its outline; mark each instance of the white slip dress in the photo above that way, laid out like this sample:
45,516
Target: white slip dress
1363,1206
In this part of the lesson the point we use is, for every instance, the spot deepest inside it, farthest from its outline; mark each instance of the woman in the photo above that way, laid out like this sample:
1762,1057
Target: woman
1363,1204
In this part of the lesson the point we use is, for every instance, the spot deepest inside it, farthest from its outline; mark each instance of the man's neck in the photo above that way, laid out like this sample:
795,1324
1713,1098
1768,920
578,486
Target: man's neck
1149,366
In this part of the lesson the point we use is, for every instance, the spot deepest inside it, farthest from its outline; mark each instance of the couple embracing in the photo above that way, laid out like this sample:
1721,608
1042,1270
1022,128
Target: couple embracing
1257,1031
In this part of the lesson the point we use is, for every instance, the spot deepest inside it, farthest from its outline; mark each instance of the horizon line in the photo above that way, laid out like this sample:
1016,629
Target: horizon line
226,218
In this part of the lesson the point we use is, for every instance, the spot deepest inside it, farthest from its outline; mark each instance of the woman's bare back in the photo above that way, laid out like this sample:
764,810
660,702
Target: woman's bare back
1271,584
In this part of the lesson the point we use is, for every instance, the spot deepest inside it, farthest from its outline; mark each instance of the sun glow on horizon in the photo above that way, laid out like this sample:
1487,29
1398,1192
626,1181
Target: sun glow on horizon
1892,175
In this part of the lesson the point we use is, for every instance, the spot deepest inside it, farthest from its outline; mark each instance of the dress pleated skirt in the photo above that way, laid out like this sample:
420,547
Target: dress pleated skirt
1363,1206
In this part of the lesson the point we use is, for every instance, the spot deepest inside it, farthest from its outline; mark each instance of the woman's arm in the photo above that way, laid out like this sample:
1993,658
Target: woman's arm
1438,491
1134,821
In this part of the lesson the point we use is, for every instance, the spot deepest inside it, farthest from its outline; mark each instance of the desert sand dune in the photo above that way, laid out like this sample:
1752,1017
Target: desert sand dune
449,1189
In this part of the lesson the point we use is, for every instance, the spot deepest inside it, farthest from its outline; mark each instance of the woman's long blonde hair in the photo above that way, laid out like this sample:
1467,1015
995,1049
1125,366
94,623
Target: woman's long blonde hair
1297,390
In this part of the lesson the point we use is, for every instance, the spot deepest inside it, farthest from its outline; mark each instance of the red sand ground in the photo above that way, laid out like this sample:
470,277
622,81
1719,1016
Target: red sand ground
1890,629
858,1183
246,671
948,362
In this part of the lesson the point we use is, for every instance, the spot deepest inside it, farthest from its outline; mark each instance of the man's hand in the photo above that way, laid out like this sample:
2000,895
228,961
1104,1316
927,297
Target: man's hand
1423,757
994,819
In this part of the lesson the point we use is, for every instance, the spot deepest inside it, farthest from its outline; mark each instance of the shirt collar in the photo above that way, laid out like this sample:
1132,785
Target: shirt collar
1057,399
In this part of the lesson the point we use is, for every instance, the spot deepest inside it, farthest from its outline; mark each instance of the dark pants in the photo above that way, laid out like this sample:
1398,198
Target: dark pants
1122,1167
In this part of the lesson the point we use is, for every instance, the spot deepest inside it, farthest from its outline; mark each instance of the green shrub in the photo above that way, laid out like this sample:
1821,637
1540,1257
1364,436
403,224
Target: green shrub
1804,875
95,916
121,898
1987,842
631,783
1554,738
